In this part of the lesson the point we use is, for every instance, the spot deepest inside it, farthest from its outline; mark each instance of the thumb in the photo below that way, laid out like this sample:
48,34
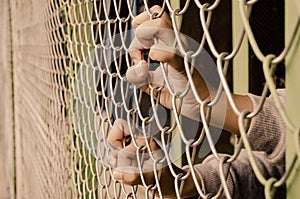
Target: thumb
127,175
131,175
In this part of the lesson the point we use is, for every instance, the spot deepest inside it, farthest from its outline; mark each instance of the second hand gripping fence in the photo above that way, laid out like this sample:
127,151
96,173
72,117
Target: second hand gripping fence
71,58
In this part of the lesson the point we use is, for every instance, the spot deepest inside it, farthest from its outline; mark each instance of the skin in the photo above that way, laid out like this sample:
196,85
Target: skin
123,159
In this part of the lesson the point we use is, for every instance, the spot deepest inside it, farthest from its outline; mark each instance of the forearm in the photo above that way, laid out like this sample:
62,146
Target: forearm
243,103
223,115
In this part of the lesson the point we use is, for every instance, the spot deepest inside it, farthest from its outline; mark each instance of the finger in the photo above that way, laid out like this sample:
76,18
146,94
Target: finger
158,28
135,51
162,49
167,54
127,175
138,73
126,156
128,171
140,76
136,149
131,175
144,16
136,47
153,145
117,134
112,158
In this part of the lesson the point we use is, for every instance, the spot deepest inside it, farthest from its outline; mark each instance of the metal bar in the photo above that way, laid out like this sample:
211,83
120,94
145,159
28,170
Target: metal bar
292,13
176,140
240,62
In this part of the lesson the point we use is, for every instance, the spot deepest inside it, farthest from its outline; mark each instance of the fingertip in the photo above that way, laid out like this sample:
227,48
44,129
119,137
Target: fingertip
141,70
134,23
142,62
135,61
135,50
113,163
118,175
138,73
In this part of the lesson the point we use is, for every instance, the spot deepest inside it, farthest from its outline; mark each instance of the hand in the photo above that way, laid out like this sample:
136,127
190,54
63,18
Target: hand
127,152
124,161
157,36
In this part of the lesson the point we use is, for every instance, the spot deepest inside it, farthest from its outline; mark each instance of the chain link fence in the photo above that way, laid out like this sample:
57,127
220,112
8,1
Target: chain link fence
71,92
6,107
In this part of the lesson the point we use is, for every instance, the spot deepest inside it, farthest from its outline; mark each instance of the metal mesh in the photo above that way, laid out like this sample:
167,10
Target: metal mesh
70,60
44,137
6,106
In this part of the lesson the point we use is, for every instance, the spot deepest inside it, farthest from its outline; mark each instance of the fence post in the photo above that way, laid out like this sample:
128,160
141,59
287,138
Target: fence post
177,148
240,62
292,13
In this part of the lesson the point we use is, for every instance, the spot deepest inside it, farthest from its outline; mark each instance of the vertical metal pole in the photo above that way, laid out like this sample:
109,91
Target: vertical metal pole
240,62
292,12
176,140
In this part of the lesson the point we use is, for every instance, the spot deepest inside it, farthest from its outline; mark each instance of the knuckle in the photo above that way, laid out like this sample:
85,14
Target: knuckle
122,154
133,179
161,22
153,55
134,23
162,55
153,144
155,8
171,56
139,31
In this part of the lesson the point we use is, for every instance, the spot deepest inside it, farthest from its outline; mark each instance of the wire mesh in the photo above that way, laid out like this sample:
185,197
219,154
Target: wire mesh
71,59
6,106
44,136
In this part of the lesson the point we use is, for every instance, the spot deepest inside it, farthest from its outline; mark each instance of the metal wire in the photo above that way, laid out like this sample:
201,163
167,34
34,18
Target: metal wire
71,61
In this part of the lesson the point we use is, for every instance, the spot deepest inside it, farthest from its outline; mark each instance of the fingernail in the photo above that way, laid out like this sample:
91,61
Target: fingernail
117,175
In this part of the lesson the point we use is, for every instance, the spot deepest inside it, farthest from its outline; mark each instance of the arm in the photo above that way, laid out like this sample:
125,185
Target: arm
138,75
266,136
241,181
